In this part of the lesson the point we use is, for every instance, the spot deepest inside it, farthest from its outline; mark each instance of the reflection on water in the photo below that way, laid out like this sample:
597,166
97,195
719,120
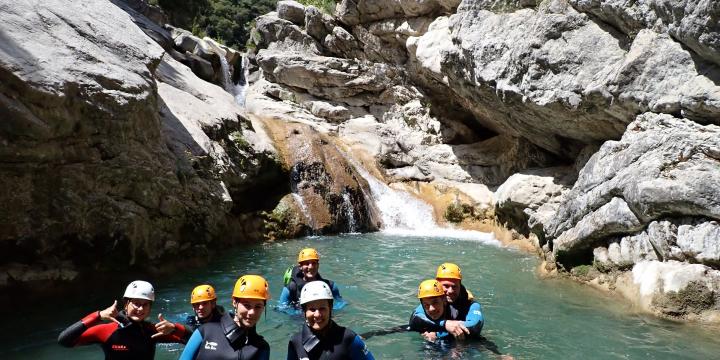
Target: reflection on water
377,275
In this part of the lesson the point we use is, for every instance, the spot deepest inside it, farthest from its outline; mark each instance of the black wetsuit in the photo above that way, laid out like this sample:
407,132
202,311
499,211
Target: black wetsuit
133,340
338,343
193,321
297,281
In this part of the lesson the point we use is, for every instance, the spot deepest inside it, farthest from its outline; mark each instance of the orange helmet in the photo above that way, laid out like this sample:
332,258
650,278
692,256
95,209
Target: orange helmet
308,254
430,288
202,293
448,271
251,287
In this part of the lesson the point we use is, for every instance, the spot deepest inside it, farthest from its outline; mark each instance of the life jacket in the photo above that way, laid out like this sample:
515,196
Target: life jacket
335,345
458,310
225,340
297,282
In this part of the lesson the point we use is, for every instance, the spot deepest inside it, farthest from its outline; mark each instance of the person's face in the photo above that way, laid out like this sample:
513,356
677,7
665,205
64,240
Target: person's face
451,288
248,311
310,269
138,309
434,306
317,314
204,309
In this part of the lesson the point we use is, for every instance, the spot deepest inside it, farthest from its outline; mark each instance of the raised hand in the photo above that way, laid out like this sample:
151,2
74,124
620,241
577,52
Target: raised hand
110,313
163,327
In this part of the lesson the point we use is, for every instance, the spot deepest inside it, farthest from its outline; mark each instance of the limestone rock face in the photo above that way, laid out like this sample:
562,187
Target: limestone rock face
692,22
325,187
663,166
327,77
110,146
534,64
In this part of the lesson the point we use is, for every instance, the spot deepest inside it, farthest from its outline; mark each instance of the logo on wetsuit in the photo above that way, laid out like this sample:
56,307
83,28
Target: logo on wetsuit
210,345
117,347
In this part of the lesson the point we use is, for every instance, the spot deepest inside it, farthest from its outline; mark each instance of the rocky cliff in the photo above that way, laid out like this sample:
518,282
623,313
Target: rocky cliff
113,153
596,122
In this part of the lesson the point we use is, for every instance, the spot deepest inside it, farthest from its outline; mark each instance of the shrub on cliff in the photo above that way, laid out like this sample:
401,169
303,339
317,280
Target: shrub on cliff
223,20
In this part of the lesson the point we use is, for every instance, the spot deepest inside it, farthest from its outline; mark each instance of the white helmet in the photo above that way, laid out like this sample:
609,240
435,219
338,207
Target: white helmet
315,290
139,289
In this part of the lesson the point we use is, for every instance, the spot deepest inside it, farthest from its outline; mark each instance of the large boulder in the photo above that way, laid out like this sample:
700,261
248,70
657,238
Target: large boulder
327,77
523,193
663,166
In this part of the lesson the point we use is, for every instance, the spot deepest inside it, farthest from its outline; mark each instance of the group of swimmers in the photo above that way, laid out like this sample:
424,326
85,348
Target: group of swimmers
447,310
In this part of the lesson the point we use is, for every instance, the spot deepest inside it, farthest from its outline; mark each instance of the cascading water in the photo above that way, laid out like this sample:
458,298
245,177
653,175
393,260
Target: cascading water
306,213
294,180
349,213
404,214
241,87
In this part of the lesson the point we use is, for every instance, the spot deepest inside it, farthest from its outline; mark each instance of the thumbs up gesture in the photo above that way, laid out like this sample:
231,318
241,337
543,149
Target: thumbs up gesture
163,327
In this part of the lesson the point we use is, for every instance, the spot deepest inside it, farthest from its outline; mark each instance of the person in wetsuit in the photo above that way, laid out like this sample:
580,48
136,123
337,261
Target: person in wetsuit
204,303
320,337
307,270
464,314
428,318
127,335
234,336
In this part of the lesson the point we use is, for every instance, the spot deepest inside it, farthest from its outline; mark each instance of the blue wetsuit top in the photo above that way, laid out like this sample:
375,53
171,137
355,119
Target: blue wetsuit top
473,319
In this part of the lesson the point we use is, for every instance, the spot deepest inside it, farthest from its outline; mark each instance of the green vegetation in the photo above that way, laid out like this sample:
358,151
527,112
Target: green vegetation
326,6
582,270
457,212
454,213
226,21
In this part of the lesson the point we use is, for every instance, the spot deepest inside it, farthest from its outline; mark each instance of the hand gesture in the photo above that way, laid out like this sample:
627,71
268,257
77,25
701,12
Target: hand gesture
430,336
456,328
110,313
163,327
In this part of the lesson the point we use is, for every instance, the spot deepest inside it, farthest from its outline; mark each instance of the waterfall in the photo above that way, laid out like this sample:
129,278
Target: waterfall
242,84
349,213
237,90
306,213
405,215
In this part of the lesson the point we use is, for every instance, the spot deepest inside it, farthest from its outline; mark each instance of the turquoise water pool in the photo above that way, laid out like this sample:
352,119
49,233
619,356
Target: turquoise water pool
526,317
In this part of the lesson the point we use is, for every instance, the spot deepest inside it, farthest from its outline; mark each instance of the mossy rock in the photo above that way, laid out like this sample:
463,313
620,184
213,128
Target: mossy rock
694,298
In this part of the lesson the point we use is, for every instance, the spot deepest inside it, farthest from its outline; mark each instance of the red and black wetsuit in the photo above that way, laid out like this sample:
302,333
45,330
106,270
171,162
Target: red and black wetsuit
130,341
